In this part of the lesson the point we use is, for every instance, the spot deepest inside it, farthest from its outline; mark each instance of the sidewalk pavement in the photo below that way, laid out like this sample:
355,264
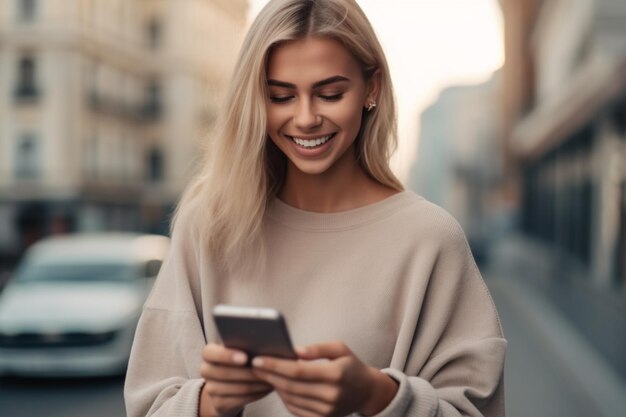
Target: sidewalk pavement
551,369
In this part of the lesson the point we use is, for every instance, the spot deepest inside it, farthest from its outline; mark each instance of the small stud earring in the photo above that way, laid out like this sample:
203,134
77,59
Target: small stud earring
371,106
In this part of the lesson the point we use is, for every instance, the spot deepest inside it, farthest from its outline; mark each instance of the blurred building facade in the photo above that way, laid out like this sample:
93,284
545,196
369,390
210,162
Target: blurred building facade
102,107
564,125
458,164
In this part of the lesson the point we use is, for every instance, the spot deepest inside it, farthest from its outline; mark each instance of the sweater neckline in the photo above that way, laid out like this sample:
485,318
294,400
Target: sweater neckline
290,216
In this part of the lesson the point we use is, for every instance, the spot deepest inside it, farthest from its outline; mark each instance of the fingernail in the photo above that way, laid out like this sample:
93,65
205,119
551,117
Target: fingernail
301,350
240,358
257,362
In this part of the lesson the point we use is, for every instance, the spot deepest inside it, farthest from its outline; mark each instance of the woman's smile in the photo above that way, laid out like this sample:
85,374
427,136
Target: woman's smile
314,147
311,142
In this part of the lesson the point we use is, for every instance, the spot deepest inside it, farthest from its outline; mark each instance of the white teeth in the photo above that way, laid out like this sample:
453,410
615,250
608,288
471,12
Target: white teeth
311,143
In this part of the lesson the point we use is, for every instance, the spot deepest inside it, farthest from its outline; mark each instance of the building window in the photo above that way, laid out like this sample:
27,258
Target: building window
26,86
27,158
154,33
152,106
155,165
26,10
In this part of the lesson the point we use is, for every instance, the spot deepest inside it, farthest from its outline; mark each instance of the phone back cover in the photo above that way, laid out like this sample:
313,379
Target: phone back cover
256,336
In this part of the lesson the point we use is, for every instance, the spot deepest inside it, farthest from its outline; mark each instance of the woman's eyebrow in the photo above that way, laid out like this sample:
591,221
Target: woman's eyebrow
317,84
331,80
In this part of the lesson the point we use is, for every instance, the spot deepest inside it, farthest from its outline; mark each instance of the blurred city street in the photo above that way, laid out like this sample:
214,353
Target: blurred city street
61,397
551,369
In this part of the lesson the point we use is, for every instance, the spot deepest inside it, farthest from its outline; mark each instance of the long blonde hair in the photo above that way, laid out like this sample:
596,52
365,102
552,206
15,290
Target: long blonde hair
242,170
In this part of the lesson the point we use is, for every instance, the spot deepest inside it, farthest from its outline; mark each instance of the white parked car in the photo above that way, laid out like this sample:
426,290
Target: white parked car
72,306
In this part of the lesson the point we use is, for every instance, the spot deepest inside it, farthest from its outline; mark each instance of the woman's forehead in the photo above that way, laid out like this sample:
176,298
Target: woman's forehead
310,59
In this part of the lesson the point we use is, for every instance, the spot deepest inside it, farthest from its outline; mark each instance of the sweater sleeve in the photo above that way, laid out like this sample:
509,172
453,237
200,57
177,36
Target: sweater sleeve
454,366
163,376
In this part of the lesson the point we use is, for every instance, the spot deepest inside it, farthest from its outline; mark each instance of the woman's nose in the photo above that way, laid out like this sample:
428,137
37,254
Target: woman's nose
306,116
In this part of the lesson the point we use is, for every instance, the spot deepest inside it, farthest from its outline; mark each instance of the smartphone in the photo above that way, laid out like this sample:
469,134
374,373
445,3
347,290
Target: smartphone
256,331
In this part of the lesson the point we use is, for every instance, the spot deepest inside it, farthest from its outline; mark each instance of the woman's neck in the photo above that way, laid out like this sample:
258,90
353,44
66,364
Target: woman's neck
343,187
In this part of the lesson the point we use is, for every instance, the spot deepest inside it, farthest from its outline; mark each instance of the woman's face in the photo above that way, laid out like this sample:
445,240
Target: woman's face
316,98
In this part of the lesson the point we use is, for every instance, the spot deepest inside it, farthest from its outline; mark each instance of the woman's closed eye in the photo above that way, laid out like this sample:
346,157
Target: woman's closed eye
331,97
326,97
280,99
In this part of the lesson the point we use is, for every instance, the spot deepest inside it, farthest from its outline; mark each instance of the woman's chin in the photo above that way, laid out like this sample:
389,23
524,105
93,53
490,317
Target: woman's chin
311,168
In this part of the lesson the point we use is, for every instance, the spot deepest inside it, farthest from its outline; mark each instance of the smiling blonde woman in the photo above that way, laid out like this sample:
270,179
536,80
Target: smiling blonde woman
296,208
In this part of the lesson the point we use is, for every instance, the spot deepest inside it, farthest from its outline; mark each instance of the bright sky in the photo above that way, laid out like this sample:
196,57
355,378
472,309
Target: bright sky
430,44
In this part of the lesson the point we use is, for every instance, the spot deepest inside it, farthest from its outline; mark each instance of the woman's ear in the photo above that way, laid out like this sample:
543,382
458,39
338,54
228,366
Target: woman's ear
373,88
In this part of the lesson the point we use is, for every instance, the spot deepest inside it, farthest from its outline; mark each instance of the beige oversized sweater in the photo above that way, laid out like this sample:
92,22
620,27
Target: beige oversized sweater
394,280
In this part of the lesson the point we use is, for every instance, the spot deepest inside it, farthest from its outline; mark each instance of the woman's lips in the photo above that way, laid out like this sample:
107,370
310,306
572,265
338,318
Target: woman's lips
311,147
311,142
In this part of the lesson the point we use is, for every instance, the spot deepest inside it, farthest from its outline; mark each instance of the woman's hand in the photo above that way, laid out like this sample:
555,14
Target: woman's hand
230,385
337,387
